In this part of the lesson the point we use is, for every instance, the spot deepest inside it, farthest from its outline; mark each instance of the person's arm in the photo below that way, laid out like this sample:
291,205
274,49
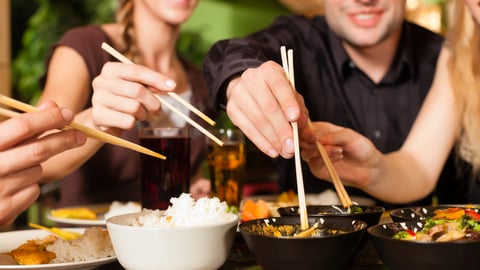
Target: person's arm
404,175
22,150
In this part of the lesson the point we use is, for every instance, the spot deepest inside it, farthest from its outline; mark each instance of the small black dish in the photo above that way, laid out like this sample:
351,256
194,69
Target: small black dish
319,252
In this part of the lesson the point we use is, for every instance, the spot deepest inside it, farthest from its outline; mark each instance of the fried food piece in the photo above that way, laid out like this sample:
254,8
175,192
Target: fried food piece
76,213
34,251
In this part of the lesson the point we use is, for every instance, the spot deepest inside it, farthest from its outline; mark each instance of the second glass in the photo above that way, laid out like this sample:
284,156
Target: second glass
226,165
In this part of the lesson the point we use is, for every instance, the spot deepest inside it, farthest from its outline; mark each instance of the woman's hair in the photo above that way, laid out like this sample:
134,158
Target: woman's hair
463,40
124,17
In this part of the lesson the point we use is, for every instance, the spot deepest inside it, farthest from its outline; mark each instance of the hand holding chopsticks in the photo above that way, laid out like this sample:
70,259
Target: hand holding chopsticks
90,132
125,60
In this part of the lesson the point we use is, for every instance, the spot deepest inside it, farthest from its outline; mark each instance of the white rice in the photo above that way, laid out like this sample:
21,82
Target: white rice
185,211
93,244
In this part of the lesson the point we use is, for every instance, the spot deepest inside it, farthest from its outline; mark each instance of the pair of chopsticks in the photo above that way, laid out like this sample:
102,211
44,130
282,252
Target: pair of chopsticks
287,63
339,187
90,132
120,57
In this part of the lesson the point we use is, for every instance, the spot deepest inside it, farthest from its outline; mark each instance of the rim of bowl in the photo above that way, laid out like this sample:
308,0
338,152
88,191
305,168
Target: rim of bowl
363,224
374,209
111,221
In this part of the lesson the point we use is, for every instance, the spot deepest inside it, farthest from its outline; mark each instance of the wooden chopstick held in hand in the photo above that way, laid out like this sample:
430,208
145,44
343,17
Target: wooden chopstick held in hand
120,57
90,132
337,183
302,205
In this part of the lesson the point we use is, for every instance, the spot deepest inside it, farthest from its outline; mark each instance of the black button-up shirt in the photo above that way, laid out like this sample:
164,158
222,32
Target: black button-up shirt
334,89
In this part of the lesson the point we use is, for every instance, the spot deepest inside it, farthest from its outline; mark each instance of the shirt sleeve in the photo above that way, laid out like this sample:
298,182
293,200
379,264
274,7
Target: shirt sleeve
229,58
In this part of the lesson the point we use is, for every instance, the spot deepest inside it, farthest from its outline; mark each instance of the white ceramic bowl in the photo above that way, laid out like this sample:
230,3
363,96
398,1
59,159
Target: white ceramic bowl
203,247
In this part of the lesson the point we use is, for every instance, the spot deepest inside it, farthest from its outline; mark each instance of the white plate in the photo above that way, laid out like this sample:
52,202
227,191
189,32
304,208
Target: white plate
11,240
100,209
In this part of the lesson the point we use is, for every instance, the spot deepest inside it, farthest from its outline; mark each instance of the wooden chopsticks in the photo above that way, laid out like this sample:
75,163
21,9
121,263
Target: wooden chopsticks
337,183
90,132
287,64
339,187
120,57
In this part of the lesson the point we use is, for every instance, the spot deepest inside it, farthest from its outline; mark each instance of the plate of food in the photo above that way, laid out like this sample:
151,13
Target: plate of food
92,215
39,249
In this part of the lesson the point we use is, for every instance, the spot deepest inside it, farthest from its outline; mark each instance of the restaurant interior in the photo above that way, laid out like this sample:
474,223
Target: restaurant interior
24,42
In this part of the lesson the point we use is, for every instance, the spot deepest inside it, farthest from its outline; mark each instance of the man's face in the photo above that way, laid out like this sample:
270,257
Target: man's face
364,23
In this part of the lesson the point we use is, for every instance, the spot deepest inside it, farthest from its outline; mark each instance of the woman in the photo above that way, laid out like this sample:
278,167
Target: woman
146,31
449,117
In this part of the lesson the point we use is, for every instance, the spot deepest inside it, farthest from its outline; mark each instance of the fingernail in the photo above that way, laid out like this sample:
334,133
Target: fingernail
289,148
337,150
291,113
67,114
170,84
272,153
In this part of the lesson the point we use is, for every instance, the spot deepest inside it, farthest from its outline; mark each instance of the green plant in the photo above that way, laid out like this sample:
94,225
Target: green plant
52,18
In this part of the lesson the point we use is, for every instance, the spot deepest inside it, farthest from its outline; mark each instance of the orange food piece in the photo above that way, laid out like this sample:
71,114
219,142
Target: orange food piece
254,210
449,213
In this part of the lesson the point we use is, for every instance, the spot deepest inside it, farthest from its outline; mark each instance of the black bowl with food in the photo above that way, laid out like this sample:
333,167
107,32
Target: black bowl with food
397,253
370,214
422,212
331,245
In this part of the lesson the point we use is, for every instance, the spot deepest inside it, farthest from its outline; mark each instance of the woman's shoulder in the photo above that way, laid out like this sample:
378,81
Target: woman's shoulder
85,34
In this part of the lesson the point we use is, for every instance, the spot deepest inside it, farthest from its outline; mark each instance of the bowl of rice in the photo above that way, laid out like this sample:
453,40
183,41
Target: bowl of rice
190,234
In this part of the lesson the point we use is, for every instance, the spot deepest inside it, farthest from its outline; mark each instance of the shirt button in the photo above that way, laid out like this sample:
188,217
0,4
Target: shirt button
351,64
377,134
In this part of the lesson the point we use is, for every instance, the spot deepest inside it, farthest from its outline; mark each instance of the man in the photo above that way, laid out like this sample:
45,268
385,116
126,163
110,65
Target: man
360,66
22,150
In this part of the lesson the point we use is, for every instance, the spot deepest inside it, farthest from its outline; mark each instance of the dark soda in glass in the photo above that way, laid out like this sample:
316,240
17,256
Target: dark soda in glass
164,179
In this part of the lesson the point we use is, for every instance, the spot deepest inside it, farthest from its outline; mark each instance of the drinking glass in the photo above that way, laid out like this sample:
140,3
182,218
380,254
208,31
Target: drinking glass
226,165
164,179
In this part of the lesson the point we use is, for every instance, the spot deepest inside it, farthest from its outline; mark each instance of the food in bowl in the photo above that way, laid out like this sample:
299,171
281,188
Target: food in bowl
422,212
330,247
449,224
190,234
401,254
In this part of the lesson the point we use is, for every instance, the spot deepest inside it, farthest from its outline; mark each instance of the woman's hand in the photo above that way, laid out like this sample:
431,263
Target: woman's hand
124,93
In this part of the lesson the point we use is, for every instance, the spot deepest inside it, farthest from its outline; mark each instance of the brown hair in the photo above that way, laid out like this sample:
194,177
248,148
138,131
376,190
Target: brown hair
124,17
463,40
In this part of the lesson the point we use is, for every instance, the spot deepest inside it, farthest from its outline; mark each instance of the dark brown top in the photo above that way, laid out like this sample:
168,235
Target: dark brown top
113,173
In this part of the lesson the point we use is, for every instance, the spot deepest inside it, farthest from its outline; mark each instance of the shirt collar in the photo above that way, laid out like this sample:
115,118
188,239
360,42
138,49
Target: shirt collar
403,63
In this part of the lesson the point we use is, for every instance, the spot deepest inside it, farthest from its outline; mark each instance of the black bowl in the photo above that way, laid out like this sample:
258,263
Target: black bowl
322,252
420,212
406,254
370,214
